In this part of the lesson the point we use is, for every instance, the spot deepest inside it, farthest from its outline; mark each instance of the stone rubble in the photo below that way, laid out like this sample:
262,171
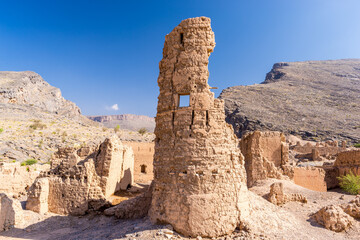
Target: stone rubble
333,218
136,207
278,197
353,208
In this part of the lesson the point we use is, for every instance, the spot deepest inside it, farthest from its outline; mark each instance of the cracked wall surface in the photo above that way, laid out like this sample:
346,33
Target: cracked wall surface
199,175
83,179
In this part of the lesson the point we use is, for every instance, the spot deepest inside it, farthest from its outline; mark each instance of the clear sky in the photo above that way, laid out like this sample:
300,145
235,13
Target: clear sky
102,53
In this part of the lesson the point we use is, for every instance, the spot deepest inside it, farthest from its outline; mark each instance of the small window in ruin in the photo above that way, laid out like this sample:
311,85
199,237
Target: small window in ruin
143,168
184,100
182,38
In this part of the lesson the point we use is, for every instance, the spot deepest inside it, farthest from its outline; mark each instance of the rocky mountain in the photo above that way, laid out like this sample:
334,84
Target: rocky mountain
126,121
29,89
317,100
35,120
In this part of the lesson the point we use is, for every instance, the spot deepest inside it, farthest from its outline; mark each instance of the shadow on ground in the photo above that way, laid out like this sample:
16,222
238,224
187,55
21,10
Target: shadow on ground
91,226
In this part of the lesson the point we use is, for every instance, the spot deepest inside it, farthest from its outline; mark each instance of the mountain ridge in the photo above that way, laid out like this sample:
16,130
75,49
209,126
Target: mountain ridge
126,121
318,100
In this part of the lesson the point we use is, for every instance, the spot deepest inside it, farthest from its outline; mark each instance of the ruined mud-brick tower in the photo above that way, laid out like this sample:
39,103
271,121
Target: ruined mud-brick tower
199,175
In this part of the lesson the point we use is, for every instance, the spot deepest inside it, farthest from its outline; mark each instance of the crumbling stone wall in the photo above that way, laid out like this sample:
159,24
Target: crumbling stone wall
81,182
265,153
312,178
278,197
199,175
143,161
348,161
15,179
319,151
11,212
114,155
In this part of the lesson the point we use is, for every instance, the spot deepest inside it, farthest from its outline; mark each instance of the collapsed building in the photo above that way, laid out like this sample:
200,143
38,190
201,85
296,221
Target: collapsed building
199,175
18,178
266,154
320,151
143,161
348,161
83,179
328,161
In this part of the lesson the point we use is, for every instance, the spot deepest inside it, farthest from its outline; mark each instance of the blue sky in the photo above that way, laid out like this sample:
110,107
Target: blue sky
102,53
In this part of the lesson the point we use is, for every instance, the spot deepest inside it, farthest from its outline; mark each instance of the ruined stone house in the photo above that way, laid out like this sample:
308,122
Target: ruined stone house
83,179
265,154
143,161
348,161
199,175
318,152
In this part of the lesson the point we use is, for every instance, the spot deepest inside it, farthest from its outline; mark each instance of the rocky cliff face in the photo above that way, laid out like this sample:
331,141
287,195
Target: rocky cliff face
318,100
126,121
28,89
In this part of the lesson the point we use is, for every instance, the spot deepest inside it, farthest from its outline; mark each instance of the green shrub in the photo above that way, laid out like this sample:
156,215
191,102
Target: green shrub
29,162
1,130
357,145
350,183
117,128
37,125
142,131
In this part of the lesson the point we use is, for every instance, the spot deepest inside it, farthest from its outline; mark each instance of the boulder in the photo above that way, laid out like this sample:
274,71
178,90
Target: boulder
333,218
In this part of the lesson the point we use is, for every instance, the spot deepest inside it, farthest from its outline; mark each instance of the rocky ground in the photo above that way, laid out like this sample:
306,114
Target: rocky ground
293,220
38,134
318,100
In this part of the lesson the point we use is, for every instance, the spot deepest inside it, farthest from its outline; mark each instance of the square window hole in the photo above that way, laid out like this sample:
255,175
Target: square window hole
184,101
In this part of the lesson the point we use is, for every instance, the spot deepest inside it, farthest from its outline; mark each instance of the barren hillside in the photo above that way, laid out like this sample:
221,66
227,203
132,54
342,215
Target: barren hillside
35,120
317,100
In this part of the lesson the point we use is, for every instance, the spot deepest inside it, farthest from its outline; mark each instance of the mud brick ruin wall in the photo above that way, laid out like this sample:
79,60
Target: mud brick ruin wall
265,153
312,178
143,161
199,176
327,149
114,165
83,179
10,212
15,179
348,161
